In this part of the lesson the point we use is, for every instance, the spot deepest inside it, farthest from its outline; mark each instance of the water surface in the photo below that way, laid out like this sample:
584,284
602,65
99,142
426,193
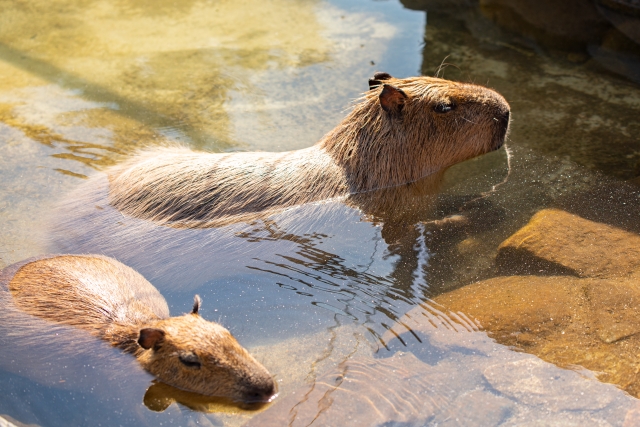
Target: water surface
315,293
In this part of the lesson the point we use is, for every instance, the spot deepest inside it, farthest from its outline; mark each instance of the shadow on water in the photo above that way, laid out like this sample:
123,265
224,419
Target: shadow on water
97,93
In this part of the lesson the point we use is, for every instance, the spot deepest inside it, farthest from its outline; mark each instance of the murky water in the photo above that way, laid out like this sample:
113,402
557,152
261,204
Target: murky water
340,304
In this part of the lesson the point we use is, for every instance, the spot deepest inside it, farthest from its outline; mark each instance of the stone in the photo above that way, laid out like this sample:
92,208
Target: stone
562,25
594,323
632,418
479,408
362,391
523,380
556,242
583,306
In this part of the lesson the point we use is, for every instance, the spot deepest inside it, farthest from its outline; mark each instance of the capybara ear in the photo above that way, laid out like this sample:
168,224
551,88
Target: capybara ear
150,337
377,79
382,76
392,99
196,304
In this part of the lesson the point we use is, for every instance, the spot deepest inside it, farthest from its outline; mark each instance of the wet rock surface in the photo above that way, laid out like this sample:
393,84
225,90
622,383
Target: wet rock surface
557,241
587,317
453,376
522,380
407,392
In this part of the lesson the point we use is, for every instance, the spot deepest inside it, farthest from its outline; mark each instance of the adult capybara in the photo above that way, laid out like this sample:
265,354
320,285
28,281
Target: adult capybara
401,130
115,303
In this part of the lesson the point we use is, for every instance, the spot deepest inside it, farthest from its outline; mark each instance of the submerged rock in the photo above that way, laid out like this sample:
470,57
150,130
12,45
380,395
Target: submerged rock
453,376
557,242
522,380
368,392
590,316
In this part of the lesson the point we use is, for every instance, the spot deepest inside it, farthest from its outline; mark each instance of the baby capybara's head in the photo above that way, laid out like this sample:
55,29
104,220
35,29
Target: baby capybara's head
404,129
193,354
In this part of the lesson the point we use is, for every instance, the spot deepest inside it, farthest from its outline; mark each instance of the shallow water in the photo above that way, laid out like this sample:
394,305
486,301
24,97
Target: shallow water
316,293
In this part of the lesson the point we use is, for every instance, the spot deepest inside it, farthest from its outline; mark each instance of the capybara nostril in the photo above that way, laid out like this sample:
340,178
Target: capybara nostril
264,396
260,388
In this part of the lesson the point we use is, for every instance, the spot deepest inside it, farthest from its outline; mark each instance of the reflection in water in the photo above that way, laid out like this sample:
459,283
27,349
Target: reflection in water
174,79
311,271
160,396
375,301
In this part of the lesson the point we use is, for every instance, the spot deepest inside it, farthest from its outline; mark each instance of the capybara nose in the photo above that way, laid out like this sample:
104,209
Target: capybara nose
263,393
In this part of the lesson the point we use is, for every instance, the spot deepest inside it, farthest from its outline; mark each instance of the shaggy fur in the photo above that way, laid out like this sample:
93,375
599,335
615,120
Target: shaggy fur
115,303
398,132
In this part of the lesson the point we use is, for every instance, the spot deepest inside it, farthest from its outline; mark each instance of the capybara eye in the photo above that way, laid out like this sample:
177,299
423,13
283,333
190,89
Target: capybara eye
444,107
190,360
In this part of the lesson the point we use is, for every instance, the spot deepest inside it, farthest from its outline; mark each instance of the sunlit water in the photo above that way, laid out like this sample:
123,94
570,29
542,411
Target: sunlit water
317,293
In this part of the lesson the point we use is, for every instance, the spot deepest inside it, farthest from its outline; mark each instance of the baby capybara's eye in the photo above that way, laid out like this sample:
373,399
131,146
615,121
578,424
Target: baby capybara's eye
190,360
444,107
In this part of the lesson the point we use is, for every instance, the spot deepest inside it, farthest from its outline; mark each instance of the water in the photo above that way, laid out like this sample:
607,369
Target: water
319,294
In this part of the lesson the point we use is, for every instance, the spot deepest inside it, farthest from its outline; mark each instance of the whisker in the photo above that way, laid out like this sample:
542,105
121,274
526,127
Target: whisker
495,186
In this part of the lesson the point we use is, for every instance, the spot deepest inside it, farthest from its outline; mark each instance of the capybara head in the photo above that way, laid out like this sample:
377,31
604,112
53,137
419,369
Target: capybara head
405,129
193,354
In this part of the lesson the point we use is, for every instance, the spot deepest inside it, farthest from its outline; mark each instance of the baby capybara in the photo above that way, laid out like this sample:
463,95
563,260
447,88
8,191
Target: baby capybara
115,303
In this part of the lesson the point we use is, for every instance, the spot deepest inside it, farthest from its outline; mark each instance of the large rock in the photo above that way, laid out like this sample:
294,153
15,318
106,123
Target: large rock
568,24
590,316
568,321
560,243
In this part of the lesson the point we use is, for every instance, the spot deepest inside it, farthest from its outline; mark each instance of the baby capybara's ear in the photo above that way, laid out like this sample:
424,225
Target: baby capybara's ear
380,75
196,304
392,99
377,78
150,337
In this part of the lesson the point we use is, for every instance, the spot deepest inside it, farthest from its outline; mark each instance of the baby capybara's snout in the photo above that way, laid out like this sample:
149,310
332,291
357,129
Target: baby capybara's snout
262,389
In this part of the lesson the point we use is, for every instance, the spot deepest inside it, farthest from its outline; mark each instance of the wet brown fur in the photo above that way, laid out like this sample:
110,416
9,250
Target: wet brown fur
394,135
115,303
